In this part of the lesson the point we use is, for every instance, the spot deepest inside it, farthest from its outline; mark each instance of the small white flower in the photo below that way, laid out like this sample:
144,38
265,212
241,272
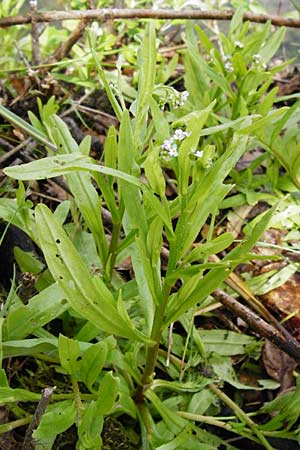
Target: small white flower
179,135
167,144
179,98
226,58
238,44
184,97
173,151
256,58
170,147
198,153
228,66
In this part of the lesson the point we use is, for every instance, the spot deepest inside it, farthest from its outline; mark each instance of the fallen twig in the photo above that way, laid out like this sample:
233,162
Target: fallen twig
239,286
36,54
11,150
62,51
257,324
104,15
28,443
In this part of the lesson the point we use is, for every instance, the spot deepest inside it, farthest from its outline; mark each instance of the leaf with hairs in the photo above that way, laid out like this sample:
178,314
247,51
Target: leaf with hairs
92,300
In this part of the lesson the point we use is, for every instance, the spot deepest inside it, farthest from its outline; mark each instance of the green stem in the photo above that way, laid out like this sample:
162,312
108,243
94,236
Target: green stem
152,350
112,251
209,420
241,415
15,424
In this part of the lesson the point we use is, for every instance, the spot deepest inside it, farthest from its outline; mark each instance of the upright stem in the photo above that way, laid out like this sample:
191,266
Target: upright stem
152,350
112,252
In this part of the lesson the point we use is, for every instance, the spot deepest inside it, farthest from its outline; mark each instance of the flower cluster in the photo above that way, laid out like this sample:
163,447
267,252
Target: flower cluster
170,146
257,61
238,44
178,98
227,63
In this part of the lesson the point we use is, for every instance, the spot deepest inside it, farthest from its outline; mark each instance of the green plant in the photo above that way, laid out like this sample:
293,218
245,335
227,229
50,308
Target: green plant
200,143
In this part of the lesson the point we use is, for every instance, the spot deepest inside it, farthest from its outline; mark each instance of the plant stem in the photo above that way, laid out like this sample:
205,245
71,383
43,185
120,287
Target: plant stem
209,420
152,350
112,252
4,428
241,415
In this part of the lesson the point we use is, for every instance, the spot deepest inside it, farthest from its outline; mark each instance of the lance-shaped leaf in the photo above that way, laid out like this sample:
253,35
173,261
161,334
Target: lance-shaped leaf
188,296
20,123
92,300
54,166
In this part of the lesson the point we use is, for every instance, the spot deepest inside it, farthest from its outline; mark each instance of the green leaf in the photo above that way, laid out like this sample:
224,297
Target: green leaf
201,401
161,210
112,99
85,145
90,427
57,419
146,62
154,241
69,352
272,45
62,210
55,166
178,442
222,367
286,409
91,300
236,21
27,261
213,247
135,219
189,144
171,420
160,122
20,123
225,342
81,185
1,349
203,198
209,282
111,148
154,172
10,395
92,363
40,310
204,39
271,280
27,347
107,394
10,212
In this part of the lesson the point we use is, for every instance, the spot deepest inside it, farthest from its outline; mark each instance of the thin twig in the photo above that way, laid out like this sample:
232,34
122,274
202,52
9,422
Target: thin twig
258,324
28,443
62,51
36,54
13,150
239,286
104,15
